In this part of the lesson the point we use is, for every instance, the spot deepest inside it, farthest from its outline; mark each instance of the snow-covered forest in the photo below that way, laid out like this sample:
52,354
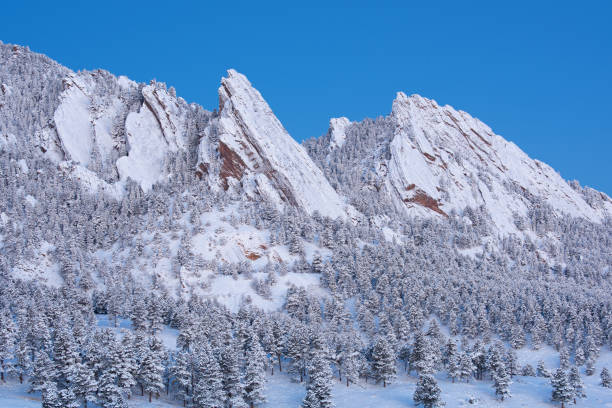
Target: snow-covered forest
223,265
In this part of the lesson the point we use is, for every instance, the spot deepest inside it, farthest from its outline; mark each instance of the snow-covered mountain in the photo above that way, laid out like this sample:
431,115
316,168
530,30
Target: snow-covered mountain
419,238
433,159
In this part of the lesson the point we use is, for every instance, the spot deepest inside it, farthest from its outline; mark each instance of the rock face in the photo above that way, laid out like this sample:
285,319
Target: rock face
422,160
439,159
257,152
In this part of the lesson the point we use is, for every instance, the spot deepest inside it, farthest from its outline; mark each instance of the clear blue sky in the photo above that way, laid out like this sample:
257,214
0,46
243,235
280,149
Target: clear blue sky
538,72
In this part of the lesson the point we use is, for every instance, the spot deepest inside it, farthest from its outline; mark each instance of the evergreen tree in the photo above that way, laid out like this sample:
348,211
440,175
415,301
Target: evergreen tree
84,383
231,376
182,375
501,382
43,372
576,383
208,390
151,369
427,392
109,394
562,390
255,379
466,367
8,335
50,396
383,361
606,380
318,390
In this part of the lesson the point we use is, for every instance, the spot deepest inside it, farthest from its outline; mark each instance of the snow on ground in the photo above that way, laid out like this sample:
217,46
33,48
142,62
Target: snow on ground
168,335
282,391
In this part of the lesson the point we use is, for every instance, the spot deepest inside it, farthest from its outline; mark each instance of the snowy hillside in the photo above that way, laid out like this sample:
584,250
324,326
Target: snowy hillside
151,249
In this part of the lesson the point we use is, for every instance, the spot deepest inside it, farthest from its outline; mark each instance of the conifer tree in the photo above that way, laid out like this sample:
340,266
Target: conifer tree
606,380
50,396
383,361
182,375
8,337
576,383
562,390
151,369
208,390
43,372
501,382
427,392
318,390
254,388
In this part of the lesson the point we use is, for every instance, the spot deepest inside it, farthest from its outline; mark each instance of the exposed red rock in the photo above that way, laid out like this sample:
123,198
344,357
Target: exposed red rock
232,166
421,198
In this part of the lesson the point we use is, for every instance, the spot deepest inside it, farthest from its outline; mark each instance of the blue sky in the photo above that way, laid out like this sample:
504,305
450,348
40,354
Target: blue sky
538,72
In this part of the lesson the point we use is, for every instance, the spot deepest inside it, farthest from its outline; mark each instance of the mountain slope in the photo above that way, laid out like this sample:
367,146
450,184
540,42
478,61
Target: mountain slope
434,160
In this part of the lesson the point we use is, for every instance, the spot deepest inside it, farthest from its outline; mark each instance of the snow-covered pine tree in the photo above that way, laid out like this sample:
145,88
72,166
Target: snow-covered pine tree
181,373
501,383
383,361
576,383
43,372
8,337
427,392
318,390
466,367
208,390
254,388
606,380
562,390
50,395
151,368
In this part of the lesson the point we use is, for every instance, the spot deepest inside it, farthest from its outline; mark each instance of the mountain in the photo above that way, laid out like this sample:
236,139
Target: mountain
432,160
389,240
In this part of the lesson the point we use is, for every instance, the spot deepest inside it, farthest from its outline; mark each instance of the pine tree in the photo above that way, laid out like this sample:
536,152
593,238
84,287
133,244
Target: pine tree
50,396
383,361
151,369
109,394
230,369
576,383
606,381
466,367
427,392
8,335
84,383
68,399
255,374
501,382
208,390
562,390
318,390
181,372
43,372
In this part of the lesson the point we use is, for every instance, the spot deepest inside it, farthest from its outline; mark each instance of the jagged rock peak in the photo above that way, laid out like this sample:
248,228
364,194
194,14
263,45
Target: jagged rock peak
259,152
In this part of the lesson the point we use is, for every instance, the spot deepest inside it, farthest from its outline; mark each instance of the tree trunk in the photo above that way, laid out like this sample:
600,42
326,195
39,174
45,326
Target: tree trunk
280,368
384,384
272,366
141,390
150,396
20,378
347,382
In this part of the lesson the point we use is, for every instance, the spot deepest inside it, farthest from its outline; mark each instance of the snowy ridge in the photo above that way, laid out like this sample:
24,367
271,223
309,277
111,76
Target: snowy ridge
443,159
253,141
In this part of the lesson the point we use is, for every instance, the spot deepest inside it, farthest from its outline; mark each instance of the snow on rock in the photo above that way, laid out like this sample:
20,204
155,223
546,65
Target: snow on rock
337,131
72,120
40,267
252,142
90,180
156,129
443,159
